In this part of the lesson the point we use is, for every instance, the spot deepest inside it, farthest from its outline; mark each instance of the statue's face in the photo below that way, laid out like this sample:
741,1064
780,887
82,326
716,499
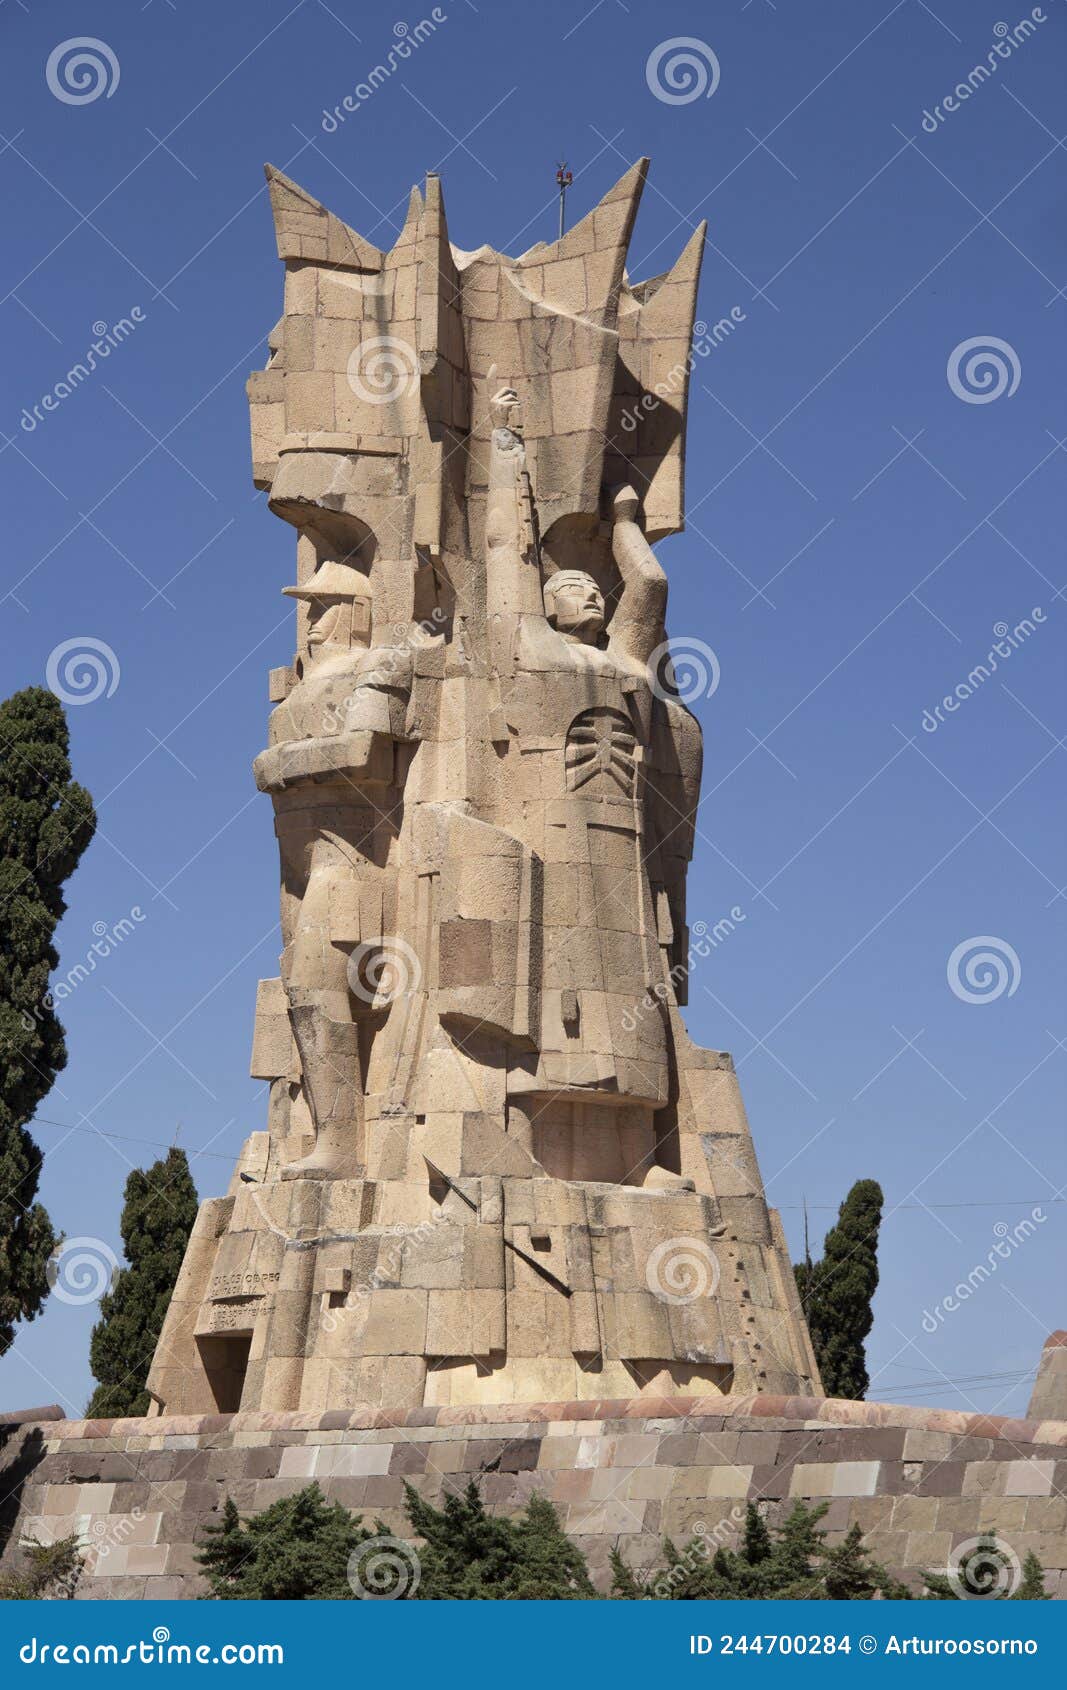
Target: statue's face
329,624
576,605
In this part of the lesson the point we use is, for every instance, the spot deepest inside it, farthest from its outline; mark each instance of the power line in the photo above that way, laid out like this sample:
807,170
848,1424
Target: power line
127,1138
966,1384
930,1381
983,1203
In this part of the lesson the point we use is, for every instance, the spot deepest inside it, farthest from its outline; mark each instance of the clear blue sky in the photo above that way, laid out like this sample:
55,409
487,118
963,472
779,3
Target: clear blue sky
857,530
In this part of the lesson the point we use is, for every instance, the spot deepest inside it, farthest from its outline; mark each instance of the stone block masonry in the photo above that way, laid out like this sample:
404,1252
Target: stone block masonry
621,1473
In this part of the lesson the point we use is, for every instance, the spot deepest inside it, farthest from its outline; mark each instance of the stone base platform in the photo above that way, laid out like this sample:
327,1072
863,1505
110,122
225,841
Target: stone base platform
918,1481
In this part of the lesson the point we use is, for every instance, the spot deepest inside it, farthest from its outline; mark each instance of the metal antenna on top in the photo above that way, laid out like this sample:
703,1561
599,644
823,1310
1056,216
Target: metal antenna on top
564,178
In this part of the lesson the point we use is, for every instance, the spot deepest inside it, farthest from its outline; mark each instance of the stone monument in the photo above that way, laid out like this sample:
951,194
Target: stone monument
496,1169
505,1220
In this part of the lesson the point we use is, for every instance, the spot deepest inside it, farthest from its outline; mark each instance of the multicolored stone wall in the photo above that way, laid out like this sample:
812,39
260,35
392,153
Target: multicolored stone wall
918,1481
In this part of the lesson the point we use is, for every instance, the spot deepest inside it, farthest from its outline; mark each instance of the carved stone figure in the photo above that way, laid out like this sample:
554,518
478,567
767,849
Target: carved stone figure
331,770
496,1168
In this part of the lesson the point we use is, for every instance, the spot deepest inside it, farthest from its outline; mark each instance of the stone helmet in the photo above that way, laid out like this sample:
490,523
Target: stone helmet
339,584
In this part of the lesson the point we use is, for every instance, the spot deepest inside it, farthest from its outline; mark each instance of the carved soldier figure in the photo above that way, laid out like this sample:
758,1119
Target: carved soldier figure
331,768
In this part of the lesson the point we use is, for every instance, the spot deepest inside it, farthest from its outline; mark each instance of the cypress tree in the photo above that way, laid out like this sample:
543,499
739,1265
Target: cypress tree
756,1540
157,1218
798,1547
837,1292
46,822
850,1574
1032,1584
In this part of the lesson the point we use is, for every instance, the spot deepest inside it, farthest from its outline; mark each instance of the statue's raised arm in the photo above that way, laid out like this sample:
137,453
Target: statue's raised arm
638,626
